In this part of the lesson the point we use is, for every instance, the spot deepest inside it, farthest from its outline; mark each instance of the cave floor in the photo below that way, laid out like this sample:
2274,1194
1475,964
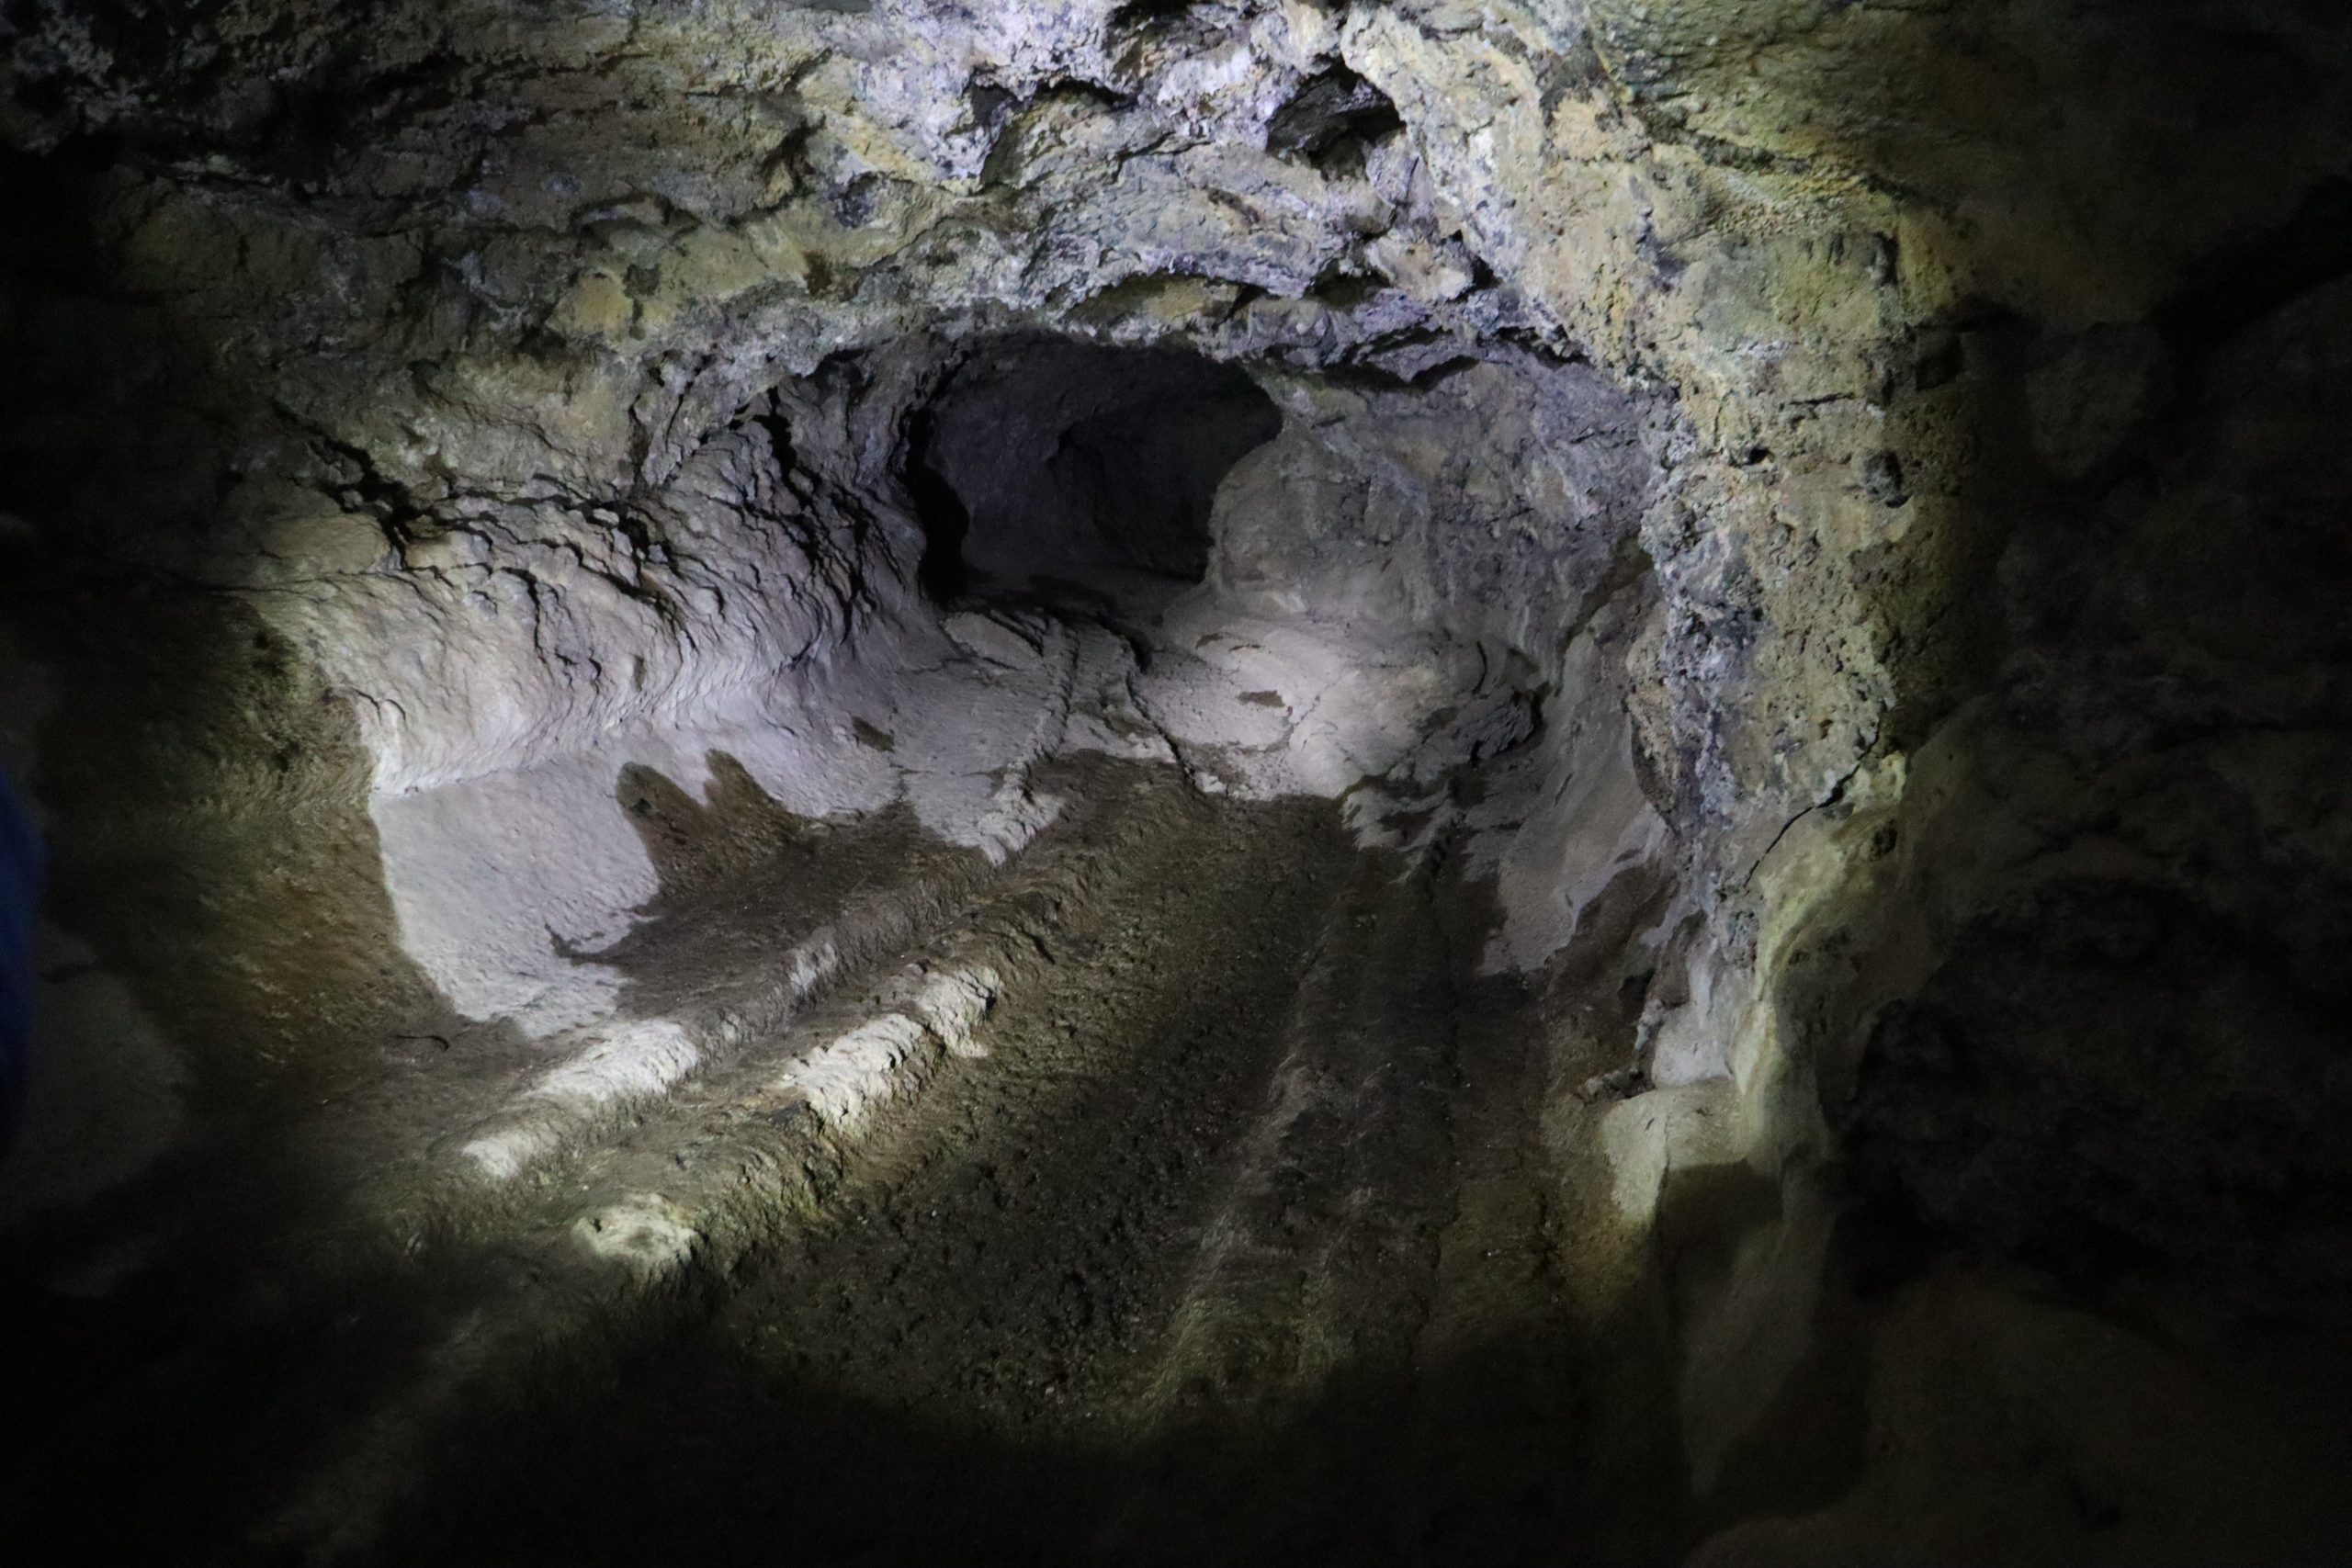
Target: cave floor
1121,1290
1249,1222
1235,1233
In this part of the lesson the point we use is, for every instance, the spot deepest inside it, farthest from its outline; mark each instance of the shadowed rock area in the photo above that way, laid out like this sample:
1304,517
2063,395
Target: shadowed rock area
1248,780
1056,460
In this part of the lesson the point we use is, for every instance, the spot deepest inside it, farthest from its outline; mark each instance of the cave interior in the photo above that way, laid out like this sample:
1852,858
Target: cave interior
1238,780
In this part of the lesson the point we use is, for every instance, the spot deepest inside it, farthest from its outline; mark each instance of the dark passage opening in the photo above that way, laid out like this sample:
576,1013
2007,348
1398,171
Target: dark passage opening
1041,460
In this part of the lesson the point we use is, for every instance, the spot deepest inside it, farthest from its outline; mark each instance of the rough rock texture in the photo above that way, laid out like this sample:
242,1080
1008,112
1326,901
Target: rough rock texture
1842,505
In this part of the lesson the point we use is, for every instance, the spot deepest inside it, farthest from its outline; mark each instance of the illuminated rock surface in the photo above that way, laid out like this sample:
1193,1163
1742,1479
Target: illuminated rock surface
1263,781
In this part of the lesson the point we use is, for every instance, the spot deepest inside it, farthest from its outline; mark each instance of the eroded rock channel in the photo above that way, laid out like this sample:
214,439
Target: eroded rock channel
1244,782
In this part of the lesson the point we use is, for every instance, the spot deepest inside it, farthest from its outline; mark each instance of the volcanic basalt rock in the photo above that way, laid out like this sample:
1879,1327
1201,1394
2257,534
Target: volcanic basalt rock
1522,781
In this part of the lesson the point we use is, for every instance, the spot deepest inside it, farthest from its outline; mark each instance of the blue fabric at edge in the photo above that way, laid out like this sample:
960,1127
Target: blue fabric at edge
21,878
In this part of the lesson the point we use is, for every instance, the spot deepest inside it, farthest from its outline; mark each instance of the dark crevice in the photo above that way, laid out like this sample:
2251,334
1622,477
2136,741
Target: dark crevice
1149,13
944,519
1331,118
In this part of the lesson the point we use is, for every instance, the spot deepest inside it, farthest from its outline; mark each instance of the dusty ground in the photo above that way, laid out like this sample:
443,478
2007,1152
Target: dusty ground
1239,1242
1250,1225
1126,1289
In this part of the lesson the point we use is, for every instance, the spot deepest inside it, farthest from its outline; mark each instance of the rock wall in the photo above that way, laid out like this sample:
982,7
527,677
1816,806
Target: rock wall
1890,448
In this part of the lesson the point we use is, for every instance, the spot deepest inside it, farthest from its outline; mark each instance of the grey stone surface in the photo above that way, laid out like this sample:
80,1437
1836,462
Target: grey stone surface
1836,508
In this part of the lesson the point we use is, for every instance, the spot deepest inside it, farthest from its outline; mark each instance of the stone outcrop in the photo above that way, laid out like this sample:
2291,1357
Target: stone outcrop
1860,487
